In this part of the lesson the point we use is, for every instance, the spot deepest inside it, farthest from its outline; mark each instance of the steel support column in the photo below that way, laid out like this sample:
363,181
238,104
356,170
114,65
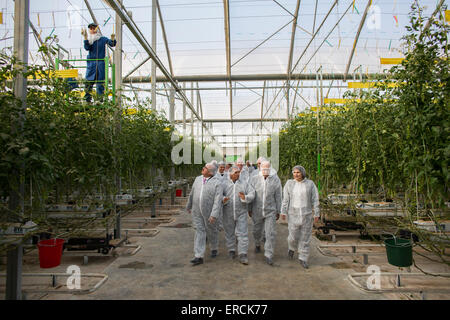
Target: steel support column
16,198
118,88
226,8
172,105
118,57
154,34
184,113
291,53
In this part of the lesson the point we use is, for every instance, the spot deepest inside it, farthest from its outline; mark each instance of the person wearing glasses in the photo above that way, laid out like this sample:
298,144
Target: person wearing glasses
205,205
300,199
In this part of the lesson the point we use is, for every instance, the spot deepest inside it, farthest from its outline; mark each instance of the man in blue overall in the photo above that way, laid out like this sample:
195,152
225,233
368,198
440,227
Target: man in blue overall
95,43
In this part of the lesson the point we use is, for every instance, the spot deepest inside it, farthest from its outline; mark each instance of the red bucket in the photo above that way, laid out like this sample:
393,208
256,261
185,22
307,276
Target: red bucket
50,252
178,192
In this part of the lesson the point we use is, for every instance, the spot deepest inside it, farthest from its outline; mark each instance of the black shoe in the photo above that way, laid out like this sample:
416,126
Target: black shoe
269,261
291,254
197,261
257,249
232,254
243,259
304,264
213,253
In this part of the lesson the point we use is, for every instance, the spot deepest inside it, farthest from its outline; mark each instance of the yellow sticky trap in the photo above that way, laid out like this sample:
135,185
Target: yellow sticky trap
361,85
340,101
329,108
391,60
447,15
129,111
69,73
1,17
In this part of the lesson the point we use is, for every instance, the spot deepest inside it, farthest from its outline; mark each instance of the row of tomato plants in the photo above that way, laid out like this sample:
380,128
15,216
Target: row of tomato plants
394,140
58,144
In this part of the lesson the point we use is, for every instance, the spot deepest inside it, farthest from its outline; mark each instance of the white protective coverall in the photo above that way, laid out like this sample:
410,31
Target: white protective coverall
205,200
299,200
235,214
265,206
244,175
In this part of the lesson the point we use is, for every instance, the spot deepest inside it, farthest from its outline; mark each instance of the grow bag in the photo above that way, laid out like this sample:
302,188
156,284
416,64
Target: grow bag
399,251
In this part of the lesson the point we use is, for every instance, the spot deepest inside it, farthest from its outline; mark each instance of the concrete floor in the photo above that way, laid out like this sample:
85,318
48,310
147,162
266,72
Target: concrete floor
161,270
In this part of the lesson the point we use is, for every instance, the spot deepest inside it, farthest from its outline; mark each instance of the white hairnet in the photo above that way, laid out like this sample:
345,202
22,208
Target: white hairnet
261,159
233,169
301,169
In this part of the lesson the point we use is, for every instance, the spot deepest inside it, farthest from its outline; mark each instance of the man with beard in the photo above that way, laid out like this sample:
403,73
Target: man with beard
95,43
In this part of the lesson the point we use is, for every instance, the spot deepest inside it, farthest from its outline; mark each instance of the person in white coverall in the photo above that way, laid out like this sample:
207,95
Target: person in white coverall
221,172
236,195
249,167
265,209
222,175
245,174
205,204
300,197
258,166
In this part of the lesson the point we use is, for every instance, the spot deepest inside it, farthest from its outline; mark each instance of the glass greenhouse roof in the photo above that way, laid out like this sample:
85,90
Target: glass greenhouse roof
260,36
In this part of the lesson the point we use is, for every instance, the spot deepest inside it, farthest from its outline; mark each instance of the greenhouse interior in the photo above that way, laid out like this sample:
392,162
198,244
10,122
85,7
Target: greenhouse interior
224,150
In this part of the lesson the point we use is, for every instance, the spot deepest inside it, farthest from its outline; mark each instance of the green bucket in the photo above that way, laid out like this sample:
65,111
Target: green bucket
399,251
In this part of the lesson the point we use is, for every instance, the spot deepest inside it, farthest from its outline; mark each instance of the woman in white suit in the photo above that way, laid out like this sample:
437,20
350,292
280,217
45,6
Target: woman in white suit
300,198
